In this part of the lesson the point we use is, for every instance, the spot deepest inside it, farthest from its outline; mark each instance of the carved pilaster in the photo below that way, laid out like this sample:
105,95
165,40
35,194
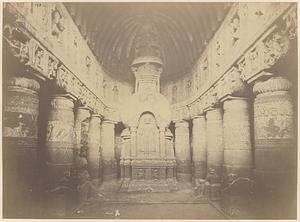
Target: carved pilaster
182,151
20,146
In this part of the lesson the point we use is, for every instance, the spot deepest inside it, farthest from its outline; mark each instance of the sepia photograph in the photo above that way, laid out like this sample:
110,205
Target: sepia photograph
149,110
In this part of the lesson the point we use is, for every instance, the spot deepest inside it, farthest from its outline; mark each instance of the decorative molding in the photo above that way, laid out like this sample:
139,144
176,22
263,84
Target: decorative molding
41,62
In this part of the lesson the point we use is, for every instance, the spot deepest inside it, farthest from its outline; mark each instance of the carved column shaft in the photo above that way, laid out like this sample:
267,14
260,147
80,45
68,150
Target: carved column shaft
60,143
237,141
81,114
170,156
275,139
20,144
162,143
81,126
237,171
93,148
215,141
199,147
125,155
133,141
109,165
182,151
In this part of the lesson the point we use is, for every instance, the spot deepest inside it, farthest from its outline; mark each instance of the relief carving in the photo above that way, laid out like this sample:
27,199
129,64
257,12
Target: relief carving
276,46
59,131
57,24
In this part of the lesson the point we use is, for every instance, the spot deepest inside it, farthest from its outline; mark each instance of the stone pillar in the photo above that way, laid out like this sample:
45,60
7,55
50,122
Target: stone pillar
20,146
182,151
237,171
133,132
93,149
199,147
82,115
60,143
170,156
237,140
275,144
109,164
215,152
125,154
162,142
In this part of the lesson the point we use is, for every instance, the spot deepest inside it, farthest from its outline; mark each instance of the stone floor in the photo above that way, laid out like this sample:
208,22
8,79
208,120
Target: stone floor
180,204
101,210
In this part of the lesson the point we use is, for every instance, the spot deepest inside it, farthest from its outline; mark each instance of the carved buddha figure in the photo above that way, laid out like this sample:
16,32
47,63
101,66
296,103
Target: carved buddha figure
148,136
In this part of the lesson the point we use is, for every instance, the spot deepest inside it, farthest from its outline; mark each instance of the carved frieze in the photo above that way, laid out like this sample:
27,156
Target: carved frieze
24,42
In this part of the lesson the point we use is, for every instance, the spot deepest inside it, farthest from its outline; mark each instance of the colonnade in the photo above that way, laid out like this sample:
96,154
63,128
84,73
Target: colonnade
76,143
242,144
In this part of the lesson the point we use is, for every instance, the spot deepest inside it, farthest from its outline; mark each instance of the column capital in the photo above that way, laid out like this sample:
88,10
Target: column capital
24,82
181,123
229,98
108,121
96,115
198,116
212,108
62,101
276,83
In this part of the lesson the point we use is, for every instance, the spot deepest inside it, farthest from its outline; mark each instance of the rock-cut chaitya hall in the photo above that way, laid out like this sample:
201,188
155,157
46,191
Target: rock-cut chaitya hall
139,110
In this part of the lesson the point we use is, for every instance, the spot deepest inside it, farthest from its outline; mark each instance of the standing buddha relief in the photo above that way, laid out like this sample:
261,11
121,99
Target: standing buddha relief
148,136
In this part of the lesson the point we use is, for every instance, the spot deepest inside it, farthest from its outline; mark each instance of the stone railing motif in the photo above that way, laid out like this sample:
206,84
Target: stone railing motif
249,55
50,54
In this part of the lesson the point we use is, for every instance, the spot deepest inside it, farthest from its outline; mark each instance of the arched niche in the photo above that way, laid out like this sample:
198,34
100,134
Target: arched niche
147,136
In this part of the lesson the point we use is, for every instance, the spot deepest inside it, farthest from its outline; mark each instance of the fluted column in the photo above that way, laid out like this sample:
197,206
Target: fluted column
215,153
275,140
109,164
182,151
60,143
238,164
20,145
93,149
199,147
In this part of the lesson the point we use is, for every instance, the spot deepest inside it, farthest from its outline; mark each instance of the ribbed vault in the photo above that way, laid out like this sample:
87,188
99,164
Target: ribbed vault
111,31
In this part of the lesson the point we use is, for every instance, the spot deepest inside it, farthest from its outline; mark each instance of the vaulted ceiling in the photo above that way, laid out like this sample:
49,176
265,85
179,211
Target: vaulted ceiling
183,30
